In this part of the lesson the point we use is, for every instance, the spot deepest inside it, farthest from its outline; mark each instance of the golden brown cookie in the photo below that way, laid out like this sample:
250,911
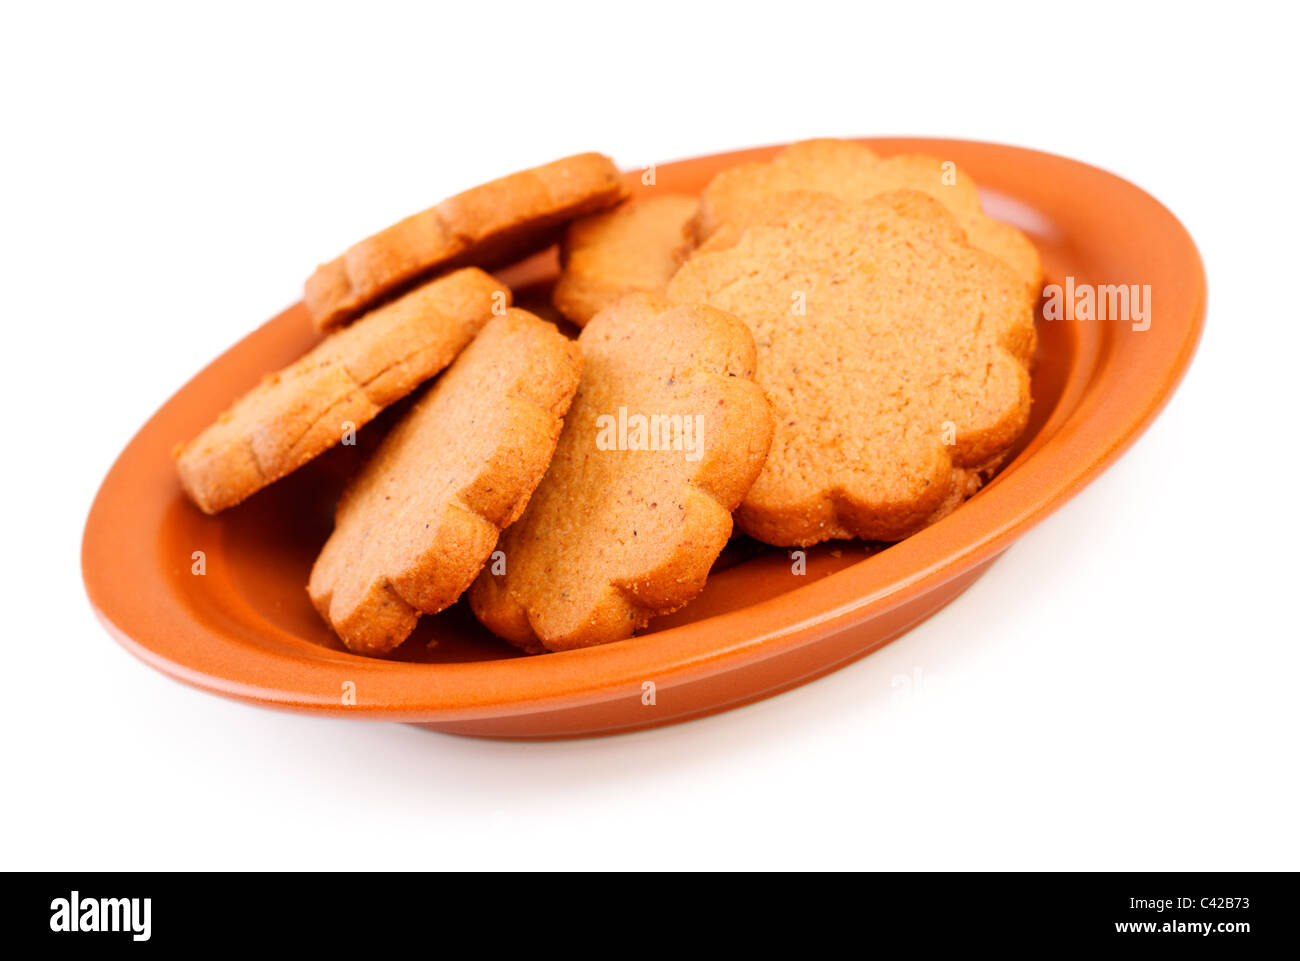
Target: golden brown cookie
855,173
487,226
894,353
306,408
665,436
415,526
635,247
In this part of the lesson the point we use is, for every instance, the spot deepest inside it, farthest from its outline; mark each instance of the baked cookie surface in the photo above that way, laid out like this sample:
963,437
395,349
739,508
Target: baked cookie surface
636,247
666,434
854,173
894,353
416,525
486,226
303,410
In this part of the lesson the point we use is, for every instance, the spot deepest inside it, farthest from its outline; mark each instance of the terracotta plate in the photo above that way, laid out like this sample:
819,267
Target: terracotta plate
245,629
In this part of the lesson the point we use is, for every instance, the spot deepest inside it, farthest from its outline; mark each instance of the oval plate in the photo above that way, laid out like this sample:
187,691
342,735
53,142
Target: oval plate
245,628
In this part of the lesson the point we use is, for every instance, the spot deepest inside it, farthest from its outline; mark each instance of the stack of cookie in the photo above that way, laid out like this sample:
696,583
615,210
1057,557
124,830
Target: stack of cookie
830,345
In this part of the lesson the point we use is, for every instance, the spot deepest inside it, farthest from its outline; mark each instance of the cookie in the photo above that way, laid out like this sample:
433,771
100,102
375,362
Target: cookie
487,226
894,353
665,436
306,408
855,173
415,526
634,248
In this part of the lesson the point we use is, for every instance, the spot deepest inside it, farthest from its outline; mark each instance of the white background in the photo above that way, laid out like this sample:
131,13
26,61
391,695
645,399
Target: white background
1119,691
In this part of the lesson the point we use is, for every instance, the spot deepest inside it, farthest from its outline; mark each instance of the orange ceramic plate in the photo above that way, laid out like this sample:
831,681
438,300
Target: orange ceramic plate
245,628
